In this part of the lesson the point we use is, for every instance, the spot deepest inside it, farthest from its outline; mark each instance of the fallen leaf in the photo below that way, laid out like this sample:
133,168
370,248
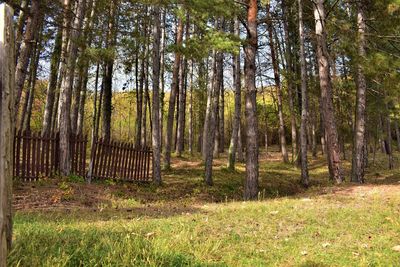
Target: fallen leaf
396,248
150,234
274,212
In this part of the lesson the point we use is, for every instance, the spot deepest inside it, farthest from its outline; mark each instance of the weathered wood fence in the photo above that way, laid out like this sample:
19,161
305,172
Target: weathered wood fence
121,161
36,156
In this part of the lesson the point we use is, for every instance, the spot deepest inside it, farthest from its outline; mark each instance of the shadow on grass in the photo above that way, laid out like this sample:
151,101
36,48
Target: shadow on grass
75,246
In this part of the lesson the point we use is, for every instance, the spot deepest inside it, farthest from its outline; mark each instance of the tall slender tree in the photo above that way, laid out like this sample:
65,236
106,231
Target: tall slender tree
156,138
304,101
250,50
358,168
332,141
172,97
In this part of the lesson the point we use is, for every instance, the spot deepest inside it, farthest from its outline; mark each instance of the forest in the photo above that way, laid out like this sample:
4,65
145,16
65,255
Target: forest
200,133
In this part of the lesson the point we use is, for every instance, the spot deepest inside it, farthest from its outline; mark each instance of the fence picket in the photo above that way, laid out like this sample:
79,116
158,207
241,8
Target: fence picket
36,156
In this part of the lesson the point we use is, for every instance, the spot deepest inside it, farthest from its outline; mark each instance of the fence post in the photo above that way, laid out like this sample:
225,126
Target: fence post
7,103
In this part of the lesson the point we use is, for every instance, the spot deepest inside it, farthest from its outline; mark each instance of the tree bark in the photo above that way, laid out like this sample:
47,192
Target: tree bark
221,117
51,88
108,74
304,102
358,167
275,63
333,150
180,142
64,119
26,116
26,50
238,103
191,118
7,126
172,98
289,79
251,184
156,138
396,126
211,116
20,26
83,72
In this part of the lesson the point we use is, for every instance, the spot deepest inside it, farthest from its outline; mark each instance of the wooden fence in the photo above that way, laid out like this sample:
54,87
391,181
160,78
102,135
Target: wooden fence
121,161
36,156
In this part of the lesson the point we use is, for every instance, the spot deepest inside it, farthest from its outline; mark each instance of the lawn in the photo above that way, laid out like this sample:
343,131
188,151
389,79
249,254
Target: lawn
64,222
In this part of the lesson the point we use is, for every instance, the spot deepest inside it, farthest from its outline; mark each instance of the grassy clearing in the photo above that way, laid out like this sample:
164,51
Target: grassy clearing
185,223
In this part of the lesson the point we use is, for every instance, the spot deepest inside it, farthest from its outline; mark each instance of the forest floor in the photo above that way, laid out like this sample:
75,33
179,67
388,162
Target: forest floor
65,222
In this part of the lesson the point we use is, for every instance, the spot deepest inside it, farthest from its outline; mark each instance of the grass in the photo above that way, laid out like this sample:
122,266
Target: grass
185,223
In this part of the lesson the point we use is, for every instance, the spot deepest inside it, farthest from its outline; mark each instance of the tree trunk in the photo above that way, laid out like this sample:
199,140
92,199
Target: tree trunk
333,150
94,124
221,116
304,102
396,126
275,63
20,26
238,104
51,88
162,78
26,50
26,122
7,126
108,74
211,116
191,128
388,141
289,78
172,98
64,122
145,100
180,143
358,167
83,72
251,184
156,138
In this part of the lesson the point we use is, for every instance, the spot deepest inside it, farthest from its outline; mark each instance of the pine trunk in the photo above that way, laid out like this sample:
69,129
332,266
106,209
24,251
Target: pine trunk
332,141
358,166
26,49
51,88
108,75
304,102
156,138
275,63
172,98
64,116
251,184
238,104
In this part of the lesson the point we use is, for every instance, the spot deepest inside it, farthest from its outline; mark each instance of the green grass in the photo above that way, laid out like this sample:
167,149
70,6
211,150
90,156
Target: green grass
189,224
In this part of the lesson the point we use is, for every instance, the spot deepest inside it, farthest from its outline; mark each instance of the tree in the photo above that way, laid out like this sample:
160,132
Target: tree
7,117
108,73
304,102
250,50
332,143
172,97
238,103
275,64
156,138
26,49
64,119
358,167
52,83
